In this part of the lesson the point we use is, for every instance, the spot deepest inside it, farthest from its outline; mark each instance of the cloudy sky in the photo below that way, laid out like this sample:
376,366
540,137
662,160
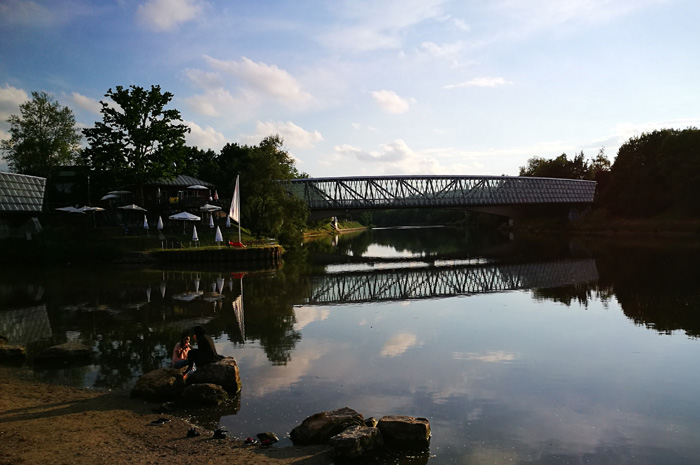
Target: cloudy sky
363,87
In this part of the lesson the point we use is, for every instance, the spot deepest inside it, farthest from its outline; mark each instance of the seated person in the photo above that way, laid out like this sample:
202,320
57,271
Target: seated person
205,353
181,351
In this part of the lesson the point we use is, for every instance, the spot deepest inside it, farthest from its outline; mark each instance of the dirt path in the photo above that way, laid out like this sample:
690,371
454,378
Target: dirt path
41,424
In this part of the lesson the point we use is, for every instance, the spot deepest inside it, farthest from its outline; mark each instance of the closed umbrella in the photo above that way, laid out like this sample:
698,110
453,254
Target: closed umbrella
145,222
195,237
160,223
211,221
216,195
218,237
228,221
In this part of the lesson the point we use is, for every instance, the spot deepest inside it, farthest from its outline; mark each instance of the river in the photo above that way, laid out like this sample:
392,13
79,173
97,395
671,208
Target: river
517,350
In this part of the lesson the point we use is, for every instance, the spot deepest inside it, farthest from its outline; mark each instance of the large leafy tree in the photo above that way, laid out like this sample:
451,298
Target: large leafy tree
138,140
266,207
42,137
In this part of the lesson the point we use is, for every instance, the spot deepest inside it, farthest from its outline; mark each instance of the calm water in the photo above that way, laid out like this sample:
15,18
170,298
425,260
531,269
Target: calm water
530,352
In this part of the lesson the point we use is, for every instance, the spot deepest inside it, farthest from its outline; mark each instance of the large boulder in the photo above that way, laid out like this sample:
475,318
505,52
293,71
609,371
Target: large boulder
357,442
160,385
225,373
70,353
405,432
203,394
320,427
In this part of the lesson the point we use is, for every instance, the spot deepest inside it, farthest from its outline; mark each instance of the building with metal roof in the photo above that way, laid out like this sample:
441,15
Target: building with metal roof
21,200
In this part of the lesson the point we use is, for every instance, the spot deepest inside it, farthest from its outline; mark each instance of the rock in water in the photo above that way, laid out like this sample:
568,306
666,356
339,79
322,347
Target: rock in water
320,427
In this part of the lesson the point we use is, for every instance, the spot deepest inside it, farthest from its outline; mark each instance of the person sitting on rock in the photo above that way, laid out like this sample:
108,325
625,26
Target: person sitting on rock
205,353
181,351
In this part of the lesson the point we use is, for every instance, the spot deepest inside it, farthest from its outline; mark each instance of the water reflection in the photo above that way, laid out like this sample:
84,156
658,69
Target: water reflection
525,351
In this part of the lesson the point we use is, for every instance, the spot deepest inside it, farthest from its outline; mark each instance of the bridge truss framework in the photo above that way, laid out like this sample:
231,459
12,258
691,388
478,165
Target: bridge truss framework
393,192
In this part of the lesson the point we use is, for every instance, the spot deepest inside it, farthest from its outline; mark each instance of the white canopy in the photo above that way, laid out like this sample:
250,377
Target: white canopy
132,207
209,208
184,216
198,186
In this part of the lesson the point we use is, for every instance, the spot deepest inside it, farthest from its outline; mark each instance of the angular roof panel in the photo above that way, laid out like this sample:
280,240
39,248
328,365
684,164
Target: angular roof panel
21,193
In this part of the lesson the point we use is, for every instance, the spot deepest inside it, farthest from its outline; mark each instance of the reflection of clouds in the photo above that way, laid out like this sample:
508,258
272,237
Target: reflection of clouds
266,379
493,356
398,344
306,315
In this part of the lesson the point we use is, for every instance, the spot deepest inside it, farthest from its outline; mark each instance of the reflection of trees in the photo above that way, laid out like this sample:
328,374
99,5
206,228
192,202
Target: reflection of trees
270,313
657,288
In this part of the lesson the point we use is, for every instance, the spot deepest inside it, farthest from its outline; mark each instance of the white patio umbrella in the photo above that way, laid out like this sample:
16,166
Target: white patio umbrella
109,197
133,207
211,221
70,209
195,237
218,237
160,222
197,186
145,222
119,192
184,217
209,208
91,209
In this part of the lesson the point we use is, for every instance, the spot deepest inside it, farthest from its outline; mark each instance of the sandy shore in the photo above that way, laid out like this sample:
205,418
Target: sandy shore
49,424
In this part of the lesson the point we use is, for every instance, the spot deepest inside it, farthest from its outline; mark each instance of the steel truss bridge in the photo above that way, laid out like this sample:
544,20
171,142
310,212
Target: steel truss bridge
445,281
480,193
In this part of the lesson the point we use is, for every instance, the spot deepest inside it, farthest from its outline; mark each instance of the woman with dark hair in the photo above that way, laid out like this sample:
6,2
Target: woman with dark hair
181,350
205,353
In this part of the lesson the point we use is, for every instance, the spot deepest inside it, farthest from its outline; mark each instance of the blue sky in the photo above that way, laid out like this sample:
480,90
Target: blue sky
377,87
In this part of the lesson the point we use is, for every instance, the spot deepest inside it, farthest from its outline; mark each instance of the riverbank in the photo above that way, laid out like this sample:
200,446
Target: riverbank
43,423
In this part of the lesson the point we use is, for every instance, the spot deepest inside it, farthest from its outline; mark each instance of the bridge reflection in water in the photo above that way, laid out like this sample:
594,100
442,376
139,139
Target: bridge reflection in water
446,280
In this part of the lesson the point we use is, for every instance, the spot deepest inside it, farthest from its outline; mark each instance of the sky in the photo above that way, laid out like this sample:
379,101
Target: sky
372,87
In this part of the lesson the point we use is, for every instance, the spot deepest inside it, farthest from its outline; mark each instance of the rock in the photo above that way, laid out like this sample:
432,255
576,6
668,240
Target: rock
161,385
63,354
405,432
12,354
225,373
204,394
320,427
267,437
357,442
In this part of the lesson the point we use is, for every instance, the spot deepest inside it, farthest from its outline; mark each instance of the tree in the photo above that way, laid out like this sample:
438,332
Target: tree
265,205
138,140
42,138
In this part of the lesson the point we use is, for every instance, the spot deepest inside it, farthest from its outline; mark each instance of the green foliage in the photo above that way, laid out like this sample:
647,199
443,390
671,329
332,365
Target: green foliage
562,167
653,172
138,139
265,205
42,138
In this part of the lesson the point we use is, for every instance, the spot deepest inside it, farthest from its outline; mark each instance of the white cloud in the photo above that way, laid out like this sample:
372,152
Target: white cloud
448,51
370,25
391,102
25,13
10,100
398,344
87,103
204,138
164,15
294,136
480,82
392,158
266,80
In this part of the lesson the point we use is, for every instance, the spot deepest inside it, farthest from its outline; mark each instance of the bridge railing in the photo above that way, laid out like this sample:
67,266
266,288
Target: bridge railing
386,192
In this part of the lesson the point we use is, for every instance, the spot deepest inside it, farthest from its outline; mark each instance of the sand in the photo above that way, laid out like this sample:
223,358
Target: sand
50,424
